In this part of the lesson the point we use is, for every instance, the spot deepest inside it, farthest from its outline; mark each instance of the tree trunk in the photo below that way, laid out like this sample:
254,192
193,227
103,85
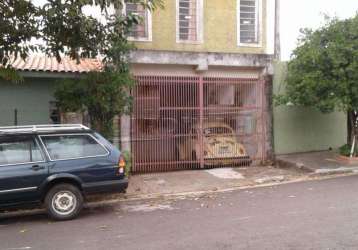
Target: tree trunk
352,128
103,125
349,128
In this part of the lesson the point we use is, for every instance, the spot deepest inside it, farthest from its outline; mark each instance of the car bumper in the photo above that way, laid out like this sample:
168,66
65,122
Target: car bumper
114,186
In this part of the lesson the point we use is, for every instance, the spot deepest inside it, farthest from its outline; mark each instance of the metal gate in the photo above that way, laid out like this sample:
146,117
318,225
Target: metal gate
190,122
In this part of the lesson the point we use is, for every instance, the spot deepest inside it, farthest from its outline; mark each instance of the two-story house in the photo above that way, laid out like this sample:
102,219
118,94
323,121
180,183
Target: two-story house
200,64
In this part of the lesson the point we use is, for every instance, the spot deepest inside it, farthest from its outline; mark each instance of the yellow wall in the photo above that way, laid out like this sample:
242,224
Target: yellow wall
220,29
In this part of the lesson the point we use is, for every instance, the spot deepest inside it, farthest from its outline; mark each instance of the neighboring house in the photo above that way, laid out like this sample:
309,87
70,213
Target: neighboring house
32,102
200,61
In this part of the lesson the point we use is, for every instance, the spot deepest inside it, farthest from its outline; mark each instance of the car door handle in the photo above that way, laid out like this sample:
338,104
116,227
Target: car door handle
37,167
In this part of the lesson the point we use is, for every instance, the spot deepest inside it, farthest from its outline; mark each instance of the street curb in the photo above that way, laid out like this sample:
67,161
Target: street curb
175,196
290,165
284,164
332,173
342,170
208,192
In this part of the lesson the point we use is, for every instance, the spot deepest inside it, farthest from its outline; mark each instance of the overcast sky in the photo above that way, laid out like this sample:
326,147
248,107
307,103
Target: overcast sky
296,14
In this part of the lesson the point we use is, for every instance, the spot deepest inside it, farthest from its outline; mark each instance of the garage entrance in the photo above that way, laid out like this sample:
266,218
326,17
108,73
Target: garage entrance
191,122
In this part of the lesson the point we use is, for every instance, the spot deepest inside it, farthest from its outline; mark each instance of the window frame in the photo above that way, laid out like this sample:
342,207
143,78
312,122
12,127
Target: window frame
74,158
259,25
44,160
199,23
149,24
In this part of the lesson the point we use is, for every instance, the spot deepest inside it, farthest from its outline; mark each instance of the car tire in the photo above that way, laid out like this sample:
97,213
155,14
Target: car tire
64,202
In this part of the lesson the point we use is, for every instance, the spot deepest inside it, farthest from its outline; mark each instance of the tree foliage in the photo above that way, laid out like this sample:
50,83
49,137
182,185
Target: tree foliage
63,27
19,24
65,30
323,70
102,94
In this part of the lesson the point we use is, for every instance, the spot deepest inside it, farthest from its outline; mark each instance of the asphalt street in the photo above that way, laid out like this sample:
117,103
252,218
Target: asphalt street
308,215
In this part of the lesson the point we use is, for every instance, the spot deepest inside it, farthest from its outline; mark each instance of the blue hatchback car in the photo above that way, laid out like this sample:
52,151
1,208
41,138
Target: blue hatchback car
57,166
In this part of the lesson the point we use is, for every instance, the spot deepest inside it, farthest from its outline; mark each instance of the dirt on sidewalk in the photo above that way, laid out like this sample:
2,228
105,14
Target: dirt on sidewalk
208,180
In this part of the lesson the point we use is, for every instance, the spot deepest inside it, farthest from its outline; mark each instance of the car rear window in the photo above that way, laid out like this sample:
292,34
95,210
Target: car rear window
19,150
62,147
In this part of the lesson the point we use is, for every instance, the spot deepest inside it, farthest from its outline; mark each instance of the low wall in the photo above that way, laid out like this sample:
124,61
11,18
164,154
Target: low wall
301,129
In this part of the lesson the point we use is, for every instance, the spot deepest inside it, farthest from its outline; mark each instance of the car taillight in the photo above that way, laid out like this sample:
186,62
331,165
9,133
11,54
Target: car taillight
121,165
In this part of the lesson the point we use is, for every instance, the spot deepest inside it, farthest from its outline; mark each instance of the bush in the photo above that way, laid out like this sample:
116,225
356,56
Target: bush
128,158
69,95
345,150
103,94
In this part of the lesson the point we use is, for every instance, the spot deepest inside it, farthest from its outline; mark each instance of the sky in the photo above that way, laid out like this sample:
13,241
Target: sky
297,14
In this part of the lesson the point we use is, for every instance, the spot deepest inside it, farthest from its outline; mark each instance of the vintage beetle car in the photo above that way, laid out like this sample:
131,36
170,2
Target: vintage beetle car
220,146
57,166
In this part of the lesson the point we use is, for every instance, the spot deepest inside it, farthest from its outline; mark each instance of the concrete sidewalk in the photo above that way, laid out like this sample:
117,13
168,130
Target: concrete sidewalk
293,167
325,162
207,180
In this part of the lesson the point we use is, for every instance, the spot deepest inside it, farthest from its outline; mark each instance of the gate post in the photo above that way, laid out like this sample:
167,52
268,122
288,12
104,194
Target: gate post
201,117
125,133
268,116
262,84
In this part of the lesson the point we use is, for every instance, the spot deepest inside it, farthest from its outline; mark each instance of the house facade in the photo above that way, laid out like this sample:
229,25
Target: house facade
200,64
203,94
32,101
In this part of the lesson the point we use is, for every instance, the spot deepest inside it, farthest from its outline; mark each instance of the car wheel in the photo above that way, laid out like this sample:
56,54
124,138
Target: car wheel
64,202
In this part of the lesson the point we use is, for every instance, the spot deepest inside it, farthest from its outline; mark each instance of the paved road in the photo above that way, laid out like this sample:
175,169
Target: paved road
308,215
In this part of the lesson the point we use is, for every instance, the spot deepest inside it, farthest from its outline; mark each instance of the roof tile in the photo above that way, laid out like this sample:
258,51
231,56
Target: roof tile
50,64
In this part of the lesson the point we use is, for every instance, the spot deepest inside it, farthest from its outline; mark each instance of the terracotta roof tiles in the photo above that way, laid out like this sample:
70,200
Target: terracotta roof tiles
41,63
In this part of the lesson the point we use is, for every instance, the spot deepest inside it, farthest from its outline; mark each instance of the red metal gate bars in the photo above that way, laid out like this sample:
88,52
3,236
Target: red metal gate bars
189,122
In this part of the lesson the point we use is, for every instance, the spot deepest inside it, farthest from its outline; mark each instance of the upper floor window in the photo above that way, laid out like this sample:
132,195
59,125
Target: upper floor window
249,22
143,30
189,20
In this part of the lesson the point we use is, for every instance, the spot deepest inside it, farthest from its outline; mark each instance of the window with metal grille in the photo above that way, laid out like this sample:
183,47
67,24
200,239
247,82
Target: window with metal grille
141,30
249,21
189,20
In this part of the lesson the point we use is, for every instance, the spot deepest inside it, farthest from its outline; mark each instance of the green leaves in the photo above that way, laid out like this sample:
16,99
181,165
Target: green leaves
67,30
18,26
70,95
10,74
103,94
323,71
64,29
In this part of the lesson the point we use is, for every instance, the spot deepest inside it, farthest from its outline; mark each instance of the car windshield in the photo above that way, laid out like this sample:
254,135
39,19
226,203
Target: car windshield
217,131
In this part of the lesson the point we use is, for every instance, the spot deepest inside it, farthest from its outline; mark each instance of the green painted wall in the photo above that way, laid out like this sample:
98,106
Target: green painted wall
31,98
300,129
